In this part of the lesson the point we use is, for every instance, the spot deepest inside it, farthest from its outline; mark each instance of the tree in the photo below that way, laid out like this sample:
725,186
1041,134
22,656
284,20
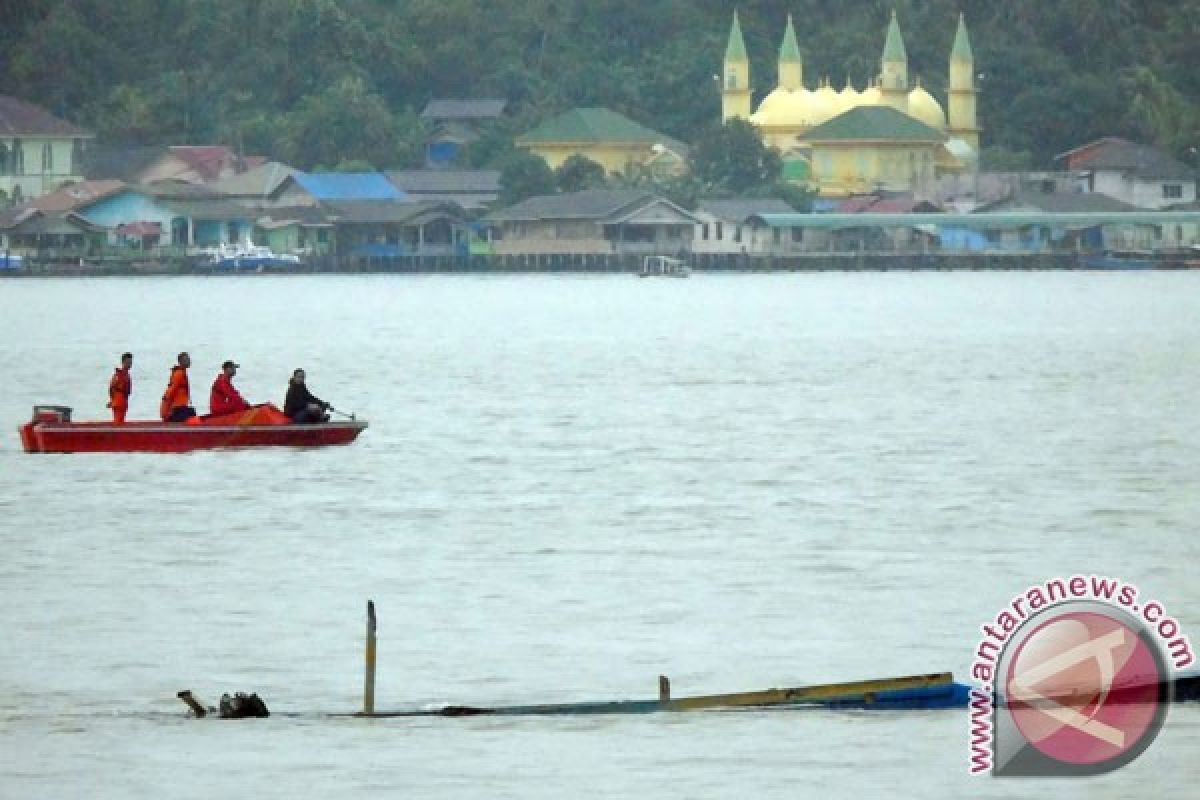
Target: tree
524,175
347,121
733,157
1001,159
578,173
800,198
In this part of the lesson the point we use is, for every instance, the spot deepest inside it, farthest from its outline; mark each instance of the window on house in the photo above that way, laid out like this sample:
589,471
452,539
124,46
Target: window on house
731,81
797,234
323,235
47,158
18,158
775,235
1172,191
737,233
720,231
704,231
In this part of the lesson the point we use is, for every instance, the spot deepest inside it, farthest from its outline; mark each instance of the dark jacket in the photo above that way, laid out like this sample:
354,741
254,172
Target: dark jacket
298,398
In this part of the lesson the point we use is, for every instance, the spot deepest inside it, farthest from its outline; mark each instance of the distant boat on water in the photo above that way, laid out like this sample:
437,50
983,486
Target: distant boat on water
239,256
664,266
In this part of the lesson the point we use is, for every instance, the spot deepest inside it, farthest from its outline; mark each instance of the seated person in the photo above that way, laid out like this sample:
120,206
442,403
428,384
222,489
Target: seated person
224,398
301,405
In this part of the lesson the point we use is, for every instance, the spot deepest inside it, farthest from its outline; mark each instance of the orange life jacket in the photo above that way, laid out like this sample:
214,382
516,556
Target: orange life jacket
178,393
119,389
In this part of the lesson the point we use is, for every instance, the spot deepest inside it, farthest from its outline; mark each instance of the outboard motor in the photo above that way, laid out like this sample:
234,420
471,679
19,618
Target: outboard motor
51,413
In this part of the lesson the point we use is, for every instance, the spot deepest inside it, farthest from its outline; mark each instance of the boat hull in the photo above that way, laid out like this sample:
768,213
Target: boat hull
178,437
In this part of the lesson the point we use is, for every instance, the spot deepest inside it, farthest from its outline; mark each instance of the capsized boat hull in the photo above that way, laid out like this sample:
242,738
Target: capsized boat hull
255,428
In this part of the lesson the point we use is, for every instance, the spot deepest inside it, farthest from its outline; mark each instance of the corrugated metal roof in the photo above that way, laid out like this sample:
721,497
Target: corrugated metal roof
979,221
174,189
739,209
367,211
19,118
590,204
348,186
205,159
1113,153
211,209
255,182
464,108
77,195
593,125
873,123
12,217
301,215
1058,202
606,205
446,180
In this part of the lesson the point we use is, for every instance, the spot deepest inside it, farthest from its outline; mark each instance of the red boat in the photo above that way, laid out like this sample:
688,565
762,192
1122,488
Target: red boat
52,431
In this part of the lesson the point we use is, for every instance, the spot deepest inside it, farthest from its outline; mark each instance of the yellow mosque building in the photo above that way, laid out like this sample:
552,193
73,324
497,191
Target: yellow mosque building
890,135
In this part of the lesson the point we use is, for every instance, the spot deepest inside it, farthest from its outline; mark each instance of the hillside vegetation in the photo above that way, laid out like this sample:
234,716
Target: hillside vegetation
317,82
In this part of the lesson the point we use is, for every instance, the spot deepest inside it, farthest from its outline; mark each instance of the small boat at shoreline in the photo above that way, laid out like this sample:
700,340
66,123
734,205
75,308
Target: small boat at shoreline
664,266
247,257
52,431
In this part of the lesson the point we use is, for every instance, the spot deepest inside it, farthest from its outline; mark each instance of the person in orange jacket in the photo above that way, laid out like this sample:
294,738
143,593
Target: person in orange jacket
224,398
120,387
176,403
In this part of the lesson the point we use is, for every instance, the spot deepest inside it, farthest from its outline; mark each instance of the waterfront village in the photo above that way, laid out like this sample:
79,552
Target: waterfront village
893,176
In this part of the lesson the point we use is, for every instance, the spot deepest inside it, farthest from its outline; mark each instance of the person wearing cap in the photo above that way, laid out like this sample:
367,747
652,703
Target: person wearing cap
120,387
224,398
301,404
176,403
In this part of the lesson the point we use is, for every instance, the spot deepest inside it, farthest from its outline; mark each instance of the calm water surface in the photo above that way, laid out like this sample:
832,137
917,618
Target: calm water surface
569,486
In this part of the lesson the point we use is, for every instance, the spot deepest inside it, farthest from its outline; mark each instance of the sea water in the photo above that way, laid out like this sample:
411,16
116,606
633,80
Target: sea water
570,485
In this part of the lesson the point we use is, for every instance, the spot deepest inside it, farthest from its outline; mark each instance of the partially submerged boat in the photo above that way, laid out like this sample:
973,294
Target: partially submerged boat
52,431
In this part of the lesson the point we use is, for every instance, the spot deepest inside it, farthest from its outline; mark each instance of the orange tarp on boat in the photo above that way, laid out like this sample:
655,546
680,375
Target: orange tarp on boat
265,414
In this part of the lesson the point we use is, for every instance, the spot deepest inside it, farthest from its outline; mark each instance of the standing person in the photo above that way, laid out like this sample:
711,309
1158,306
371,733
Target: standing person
176,403
224,399
301,404
120,387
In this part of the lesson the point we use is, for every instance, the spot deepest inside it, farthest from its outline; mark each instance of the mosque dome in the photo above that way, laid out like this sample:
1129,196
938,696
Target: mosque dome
783,108
922,106
825,104
849,97
871,96
771,104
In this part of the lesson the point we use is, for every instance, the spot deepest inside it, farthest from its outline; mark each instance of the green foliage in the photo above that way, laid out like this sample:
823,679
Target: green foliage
578,173
800,198
349,165
322,81
348,122
524,175
733,157
1001,159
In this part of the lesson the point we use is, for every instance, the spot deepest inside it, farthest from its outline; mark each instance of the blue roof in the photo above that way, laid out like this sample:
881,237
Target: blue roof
349,186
